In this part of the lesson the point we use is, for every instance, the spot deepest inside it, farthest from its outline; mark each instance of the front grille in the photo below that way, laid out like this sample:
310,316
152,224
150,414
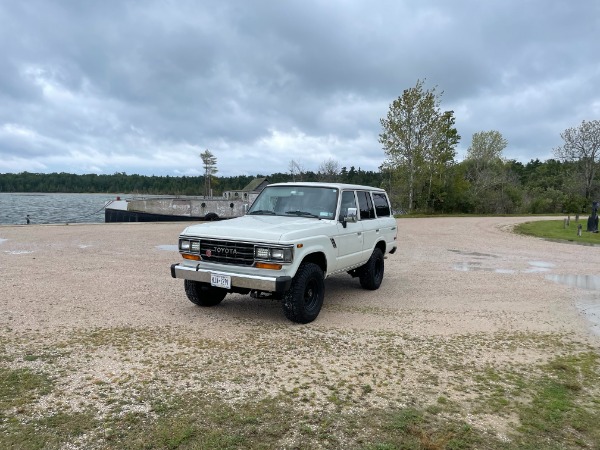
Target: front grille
227,252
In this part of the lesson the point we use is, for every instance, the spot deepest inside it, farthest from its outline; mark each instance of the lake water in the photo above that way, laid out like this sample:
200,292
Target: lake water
53,208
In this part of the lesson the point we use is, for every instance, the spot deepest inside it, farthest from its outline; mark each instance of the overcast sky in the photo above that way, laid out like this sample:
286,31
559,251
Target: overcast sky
144,87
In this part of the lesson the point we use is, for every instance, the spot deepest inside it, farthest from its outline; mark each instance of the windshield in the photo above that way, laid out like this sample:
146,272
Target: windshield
304,201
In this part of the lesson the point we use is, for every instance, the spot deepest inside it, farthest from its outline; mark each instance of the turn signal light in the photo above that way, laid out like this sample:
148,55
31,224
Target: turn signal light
194,257
261,265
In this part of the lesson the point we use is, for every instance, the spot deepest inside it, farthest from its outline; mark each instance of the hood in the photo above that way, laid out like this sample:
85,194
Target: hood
260,228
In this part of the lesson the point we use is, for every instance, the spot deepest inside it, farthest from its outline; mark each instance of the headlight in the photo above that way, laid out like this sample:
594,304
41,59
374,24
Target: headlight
280,254
186,245
262,253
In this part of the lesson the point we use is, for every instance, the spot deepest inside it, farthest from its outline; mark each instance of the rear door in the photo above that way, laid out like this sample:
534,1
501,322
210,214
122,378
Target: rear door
369,222
386,222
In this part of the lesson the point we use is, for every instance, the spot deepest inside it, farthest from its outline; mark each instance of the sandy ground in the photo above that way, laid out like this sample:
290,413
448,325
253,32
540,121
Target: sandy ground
449,276
95,307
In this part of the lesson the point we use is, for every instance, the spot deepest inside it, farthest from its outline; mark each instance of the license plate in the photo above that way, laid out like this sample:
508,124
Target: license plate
222,281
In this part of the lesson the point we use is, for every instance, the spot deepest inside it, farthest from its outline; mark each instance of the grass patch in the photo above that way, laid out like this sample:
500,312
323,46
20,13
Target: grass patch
554,229
20,387
557,405
203,394
565,407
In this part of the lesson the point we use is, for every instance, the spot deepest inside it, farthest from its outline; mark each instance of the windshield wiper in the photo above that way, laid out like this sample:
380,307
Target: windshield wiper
262,211
303,213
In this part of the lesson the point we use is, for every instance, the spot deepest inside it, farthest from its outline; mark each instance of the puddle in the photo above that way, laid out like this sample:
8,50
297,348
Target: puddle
539,266
168,247
476,266
467,267
473,266
589,282
476,254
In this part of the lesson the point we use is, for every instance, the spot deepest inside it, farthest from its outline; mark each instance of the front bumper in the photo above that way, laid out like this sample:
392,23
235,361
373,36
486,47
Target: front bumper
260,283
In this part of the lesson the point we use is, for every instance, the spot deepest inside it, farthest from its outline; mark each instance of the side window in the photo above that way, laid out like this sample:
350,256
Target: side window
382,207
365,205
348,201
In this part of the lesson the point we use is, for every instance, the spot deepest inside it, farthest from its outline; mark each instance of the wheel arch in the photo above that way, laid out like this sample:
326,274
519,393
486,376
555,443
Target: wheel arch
317,258
381,245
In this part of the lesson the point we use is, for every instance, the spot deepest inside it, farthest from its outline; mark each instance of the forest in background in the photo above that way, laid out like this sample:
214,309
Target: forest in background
511,187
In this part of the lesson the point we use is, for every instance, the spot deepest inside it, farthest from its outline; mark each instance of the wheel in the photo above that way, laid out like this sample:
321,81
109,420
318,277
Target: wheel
203,294
371,274
211,216
303,301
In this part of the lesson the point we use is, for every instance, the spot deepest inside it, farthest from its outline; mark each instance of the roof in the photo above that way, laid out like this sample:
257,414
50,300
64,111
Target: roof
341,186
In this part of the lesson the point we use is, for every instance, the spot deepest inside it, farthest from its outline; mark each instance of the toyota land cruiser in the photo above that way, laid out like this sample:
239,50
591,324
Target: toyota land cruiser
293,237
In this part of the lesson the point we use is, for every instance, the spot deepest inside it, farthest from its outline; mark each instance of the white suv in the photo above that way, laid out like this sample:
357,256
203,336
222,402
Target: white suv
293,237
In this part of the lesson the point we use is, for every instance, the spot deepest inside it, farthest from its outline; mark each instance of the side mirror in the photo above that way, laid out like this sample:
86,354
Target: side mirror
351,216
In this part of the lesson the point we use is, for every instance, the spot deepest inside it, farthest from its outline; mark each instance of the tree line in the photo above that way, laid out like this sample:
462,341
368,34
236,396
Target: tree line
165,185
475,185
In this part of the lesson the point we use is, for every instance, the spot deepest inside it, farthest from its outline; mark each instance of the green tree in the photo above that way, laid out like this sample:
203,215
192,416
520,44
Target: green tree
209,162
487,172
411,130
439,158
582,145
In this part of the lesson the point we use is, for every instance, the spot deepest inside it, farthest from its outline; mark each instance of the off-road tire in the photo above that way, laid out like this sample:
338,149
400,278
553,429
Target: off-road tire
303,301
371,274
202,294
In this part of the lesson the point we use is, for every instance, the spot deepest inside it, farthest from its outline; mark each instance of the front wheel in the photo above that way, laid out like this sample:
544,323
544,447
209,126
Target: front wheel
202,294
303,301
371,274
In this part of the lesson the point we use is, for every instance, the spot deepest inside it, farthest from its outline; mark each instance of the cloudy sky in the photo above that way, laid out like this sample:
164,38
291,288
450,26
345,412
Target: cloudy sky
145,86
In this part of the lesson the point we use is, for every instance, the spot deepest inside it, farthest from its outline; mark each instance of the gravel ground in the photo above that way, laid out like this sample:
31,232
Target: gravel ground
449,276
98,301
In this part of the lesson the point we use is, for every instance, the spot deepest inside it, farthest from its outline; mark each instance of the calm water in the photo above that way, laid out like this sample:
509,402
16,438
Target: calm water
53,208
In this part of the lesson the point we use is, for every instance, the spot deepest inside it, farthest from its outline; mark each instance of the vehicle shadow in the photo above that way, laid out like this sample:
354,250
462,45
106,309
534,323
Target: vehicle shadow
339,289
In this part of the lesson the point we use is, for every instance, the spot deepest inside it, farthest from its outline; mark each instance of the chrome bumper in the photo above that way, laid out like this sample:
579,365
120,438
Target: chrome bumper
260,283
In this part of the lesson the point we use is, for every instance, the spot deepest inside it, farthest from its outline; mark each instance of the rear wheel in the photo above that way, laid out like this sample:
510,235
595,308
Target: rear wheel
371,274
202,294
303,301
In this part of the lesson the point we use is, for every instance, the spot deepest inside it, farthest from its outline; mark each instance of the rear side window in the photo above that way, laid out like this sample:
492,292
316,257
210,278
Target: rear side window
382,207
365,205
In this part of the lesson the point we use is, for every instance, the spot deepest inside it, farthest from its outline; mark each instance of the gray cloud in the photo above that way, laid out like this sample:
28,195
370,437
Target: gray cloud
144,87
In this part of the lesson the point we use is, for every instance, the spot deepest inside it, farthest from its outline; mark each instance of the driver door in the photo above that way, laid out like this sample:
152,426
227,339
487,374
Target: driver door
349,238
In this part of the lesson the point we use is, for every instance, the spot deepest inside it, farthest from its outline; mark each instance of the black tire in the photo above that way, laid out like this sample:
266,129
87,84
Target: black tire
211,217
371,274
202,294
303,301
